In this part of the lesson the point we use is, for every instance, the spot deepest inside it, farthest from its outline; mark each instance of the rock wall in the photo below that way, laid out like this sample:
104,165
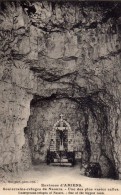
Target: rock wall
15,83
63,49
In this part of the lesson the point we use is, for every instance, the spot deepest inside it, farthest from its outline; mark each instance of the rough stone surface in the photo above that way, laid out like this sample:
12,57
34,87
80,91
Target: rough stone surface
70,50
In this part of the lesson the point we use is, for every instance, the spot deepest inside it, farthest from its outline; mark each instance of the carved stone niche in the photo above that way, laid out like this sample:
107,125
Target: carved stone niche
61,150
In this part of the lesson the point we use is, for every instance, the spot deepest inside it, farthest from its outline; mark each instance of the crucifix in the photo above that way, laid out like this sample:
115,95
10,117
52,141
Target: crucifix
61,129
61,117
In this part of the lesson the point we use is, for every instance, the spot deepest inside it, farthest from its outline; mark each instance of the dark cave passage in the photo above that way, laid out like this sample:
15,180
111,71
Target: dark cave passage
88,118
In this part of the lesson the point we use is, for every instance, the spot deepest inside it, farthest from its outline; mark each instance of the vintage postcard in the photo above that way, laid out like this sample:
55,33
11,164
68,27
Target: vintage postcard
60,97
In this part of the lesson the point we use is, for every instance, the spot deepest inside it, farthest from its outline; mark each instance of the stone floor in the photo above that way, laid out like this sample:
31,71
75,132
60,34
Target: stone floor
56,174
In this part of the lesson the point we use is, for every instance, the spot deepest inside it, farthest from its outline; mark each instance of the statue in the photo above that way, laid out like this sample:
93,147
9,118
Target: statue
61,144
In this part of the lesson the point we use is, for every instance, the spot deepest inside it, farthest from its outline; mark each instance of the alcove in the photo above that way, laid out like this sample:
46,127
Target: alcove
88,118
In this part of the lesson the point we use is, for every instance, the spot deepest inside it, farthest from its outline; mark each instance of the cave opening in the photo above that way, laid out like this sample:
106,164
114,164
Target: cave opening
89,119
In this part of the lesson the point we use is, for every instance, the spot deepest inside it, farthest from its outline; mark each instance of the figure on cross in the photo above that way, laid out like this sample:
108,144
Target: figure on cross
61,116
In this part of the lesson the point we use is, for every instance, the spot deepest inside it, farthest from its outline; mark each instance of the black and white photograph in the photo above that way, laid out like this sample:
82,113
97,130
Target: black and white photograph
60,97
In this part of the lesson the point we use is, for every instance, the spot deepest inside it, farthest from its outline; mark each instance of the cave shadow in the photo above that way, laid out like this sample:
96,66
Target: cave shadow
93,105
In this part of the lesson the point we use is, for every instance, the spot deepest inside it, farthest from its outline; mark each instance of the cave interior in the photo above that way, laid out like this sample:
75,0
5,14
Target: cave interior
60,59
